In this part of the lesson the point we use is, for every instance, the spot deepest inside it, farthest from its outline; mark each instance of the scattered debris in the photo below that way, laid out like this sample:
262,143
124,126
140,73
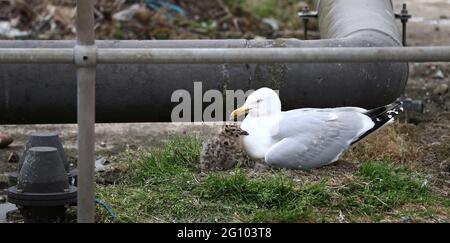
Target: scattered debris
66,16
439,74
406,219
101,165
8,30
148,19
158,5
143,15
13,158
103,144
273,23
127,14
441,90
5,140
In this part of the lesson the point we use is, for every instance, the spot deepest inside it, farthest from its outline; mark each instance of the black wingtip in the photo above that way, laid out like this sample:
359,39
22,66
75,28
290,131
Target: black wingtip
381,116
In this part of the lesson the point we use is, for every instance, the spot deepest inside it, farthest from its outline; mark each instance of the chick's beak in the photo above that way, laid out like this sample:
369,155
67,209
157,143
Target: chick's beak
239,112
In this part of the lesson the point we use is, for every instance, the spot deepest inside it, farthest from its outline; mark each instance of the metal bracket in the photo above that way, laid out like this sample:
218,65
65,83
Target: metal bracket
85,56
413,105
307,14
404,16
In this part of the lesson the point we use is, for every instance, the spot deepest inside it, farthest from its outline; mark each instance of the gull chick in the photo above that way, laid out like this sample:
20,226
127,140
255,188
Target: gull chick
224,151
305,138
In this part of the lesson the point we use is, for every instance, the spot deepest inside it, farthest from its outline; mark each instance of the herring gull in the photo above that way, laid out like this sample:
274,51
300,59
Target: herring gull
305,138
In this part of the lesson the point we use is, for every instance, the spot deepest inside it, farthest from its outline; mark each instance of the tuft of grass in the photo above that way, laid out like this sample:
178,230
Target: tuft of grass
118,33
265,192
129,203
178,157
271,198
379,187
265,8
301,208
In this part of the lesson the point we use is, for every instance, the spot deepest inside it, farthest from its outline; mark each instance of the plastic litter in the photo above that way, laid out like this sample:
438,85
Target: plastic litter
9,31
101,165
127,14
157,5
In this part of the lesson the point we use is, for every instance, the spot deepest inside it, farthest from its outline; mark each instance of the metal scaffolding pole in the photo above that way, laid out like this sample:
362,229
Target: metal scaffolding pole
274,55
226,55
84,56
36,55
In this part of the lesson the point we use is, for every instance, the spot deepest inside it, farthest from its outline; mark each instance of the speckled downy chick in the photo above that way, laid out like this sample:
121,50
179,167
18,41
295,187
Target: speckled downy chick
224,151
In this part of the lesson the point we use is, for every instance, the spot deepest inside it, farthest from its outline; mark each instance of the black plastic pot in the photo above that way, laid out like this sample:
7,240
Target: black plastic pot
43,191
45,140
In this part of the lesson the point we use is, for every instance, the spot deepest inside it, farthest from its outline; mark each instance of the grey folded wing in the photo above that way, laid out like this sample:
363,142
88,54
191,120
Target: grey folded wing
314,138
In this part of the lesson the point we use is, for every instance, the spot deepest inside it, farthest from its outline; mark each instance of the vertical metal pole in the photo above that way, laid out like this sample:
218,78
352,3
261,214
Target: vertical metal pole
305,30
86,114
404,33
404,21
404,16
305,14
85,22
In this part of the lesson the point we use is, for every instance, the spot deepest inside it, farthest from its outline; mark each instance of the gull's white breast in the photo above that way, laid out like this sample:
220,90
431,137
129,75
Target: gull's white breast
259,140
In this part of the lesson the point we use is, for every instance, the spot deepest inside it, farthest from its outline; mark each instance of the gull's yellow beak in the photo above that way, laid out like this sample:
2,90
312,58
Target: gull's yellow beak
239,112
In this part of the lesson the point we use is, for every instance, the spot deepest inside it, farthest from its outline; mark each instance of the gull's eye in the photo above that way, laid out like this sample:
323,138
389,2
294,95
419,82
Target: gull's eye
258,101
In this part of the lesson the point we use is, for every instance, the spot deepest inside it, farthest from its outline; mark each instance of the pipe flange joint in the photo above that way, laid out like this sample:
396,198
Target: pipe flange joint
85,56
404,15
307,14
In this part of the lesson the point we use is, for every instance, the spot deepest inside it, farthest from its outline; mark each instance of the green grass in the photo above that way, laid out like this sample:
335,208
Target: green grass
285,12
164,185
177,158
265,8
380,187
269,198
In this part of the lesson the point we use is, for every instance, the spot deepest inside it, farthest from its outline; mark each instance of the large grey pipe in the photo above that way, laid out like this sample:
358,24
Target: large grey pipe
142,93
